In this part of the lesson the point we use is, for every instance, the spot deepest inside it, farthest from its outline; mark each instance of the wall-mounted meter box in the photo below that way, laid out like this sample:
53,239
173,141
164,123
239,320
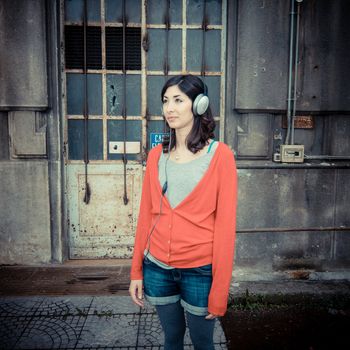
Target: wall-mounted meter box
292,153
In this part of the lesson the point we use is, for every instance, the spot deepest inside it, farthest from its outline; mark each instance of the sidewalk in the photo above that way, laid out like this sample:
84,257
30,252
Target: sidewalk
83,322
85,305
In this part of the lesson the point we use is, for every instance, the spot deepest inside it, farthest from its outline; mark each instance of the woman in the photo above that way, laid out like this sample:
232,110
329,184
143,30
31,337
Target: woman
184,244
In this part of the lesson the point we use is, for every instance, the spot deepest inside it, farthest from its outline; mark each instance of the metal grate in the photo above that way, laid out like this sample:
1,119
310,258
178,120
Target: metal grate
74,47
114,48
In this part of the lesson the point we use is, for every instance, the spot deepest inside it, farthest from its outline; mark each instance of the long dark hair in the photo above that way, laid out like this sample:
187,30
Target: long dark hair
203,126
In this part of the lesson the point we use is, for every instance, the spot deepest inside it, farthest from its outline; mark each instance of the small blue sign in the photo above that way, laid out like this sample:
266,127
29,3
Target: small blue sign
156,138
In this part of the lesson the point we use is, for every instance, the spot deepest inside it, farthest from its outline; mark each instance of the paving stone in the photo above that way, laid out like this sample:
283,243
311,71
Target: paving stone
74,322
148,308
19,306
64,306
219,335
113,305
51,333
11,329
151,334
109,331
150,331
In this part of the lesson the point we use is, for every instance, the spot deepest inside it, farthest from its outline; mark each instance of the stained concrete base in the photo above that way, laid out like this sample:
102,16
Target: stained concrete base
83,322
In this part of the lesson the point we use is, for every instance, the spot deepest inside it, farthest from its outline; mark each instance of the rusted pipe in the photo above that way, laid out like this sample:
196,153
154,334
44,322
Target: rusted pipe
293,229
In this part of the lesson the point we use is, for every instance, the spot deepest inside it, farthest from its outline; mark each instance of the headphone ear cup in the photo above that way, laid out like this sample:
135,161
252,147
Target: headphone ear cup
200,104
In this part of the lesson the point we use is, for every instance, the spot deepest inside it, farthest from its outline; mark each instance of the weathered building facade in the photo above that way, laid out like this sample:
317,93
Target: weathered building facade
80,107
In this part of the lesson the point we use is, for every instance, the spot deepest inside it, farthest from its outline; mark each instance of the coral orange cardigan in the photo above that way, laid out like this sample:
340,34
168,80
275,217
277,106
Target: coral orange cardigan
198,231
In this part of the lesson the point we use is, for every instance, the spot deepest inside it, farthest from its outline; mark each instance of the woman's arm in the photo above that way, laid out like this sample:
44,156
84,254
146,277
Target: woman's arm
143,225
224,234
136,292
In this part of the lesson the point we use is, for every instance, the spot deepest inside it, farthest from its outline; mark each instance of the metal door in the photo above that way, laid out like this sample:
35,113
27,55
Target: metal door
116,56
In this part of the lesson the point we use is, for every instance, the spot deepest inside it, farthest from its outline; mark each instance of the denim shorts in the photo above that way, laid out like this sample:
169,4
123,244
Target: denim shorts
189,285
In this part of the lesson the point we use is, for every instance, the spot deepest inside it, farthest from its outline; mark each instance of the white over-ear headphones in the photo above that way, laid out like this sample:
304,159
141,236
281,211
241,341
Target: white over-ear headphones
201,102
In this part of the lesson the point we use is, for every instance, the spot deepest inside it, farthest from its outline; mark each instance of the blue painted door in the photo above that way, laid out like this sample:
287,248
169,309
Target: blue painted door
131,49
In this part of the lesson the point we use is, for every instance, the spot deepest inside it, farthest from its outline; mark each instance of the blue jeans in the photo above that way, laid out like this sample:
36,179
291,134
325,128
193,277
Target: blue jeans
189,285
172,291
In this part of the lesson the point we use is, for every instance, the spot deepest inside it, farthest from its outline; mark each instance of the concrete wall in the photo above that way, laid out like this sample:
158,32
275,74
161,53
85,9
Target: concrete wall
23,73
26,153
290,217
283,216
25,214
293,219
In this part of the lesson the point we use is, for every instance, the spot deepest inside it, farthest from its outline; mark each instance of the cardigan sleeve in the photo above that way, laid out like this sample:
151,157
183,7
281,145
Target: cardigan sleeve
143,225
224,235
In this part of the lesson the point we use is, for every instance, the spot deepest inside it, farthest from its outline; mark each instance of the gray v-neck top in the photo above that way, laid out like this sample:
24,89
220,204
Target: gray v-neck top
182,177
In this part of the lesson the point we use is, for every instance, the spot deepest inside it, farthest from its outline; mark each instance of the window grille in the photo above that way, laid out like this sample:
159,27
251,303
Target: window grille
74,48
114,48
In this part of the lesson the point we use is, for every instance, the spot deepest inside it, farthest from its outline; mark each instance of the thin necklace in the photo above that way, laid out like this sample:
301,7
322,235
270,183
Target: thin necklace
177,157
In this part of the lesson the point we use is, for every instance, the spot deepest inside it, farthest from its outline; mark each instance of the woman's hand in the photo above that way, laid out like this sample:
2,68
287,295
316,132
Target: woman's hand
136,293
211,317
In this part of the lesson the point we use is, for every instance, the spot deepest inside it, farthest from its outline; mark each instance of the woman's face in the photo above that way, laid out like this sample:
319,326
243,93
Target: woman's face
177,109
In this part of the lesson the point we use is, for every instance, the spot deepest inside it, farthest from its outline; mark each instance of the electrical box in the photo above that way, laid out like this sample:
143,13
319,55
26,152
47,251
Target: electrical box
292,153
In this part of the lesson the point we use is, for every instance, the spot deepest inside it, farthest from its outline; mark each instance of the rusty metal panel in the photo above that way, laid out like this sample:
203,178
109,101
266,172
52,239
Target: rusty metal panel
324,73
105,227
23,73
262,54
300,122
253,131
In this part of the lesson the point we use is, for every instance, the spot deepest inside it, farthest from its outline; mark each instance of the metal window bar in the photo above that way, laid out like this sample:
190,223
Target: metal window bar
87,195
167,27
125,197
166,129
204,29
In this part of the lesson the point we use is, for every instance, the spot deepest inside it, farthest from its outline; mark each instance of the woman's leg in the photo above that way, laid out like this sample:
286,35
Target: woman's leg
201,331
173,322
